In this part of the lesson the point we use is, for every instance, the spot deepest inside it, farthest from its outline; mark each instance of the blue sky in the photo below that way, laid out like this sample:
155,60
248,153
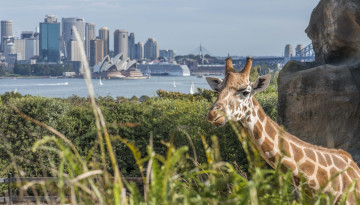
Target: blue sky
238,27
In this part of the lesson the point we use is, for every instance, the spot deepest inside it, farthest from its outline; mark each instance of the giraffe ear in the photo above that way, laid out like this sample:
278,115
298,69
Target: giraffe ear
261,83
215,83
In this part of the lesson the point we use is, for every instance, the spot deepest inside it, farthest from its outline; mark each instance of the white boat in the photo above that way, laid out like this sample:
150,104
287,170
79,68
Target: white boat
174,84
192,88
100,82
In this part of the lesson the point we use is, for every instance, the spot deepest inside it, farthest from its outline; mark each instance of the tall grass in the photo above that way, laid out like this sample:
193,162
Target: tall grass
173,178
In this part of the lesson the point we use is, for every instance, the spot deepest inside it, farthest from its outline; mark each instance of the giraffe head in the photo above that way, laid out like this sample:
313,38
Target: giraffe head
235,93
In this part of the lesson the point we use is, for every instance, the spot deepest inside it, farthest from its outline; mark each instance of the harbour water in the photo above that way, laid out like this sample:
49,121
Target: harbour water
65,87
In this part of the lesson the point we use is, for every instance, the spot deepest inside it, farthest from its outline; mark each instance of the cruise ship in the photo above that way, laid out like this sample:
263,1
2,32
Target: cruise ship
166,69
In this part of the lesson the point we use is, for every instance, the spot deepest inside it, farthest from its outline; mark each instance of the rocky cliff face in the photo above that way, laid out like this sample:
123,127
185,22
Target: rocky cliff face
319,102
334,30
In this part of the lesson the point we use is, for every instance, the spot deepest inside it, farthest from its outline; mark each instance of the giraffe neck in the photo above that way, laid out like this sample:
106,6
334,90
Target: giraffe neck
317,164
263,131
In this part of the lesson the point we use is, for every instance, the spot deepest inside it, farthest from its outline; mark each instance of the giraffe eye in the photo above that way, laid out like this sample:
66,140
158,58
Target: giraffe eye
246,93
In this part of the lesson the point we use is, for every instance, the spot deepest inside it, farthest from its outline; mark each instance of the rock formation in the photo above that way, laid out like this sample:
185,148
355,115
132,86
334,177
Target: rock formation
320,101
334,30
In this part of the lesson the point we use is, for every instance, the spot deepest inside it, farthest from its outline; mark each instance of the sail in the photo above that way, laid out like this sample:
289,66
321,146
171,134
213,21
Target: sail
174,84
192,88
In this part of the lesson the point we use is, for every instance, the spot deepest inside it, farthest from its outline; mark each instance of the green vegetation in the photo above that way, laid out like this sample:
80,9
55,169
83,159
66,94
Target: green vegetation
165,140
39,69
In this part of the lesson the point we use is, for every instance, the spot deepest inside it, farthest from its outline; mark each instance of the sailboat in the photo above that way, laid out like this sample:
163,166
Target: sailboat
174,84
100,82
192,88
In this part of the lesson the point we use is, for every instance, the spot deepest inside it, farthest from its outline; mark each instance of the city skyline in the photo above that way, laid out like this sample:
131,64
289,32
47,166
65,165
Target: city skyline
238,28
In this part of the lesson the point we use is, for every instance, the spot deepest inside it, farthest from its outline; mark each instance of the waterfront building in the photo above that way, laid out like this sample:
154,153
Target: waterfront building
104,35
167,54
49,47
19,45
89,35
131,49
31,48
68,34
6,32
165,69
121,43
96,51
139,50
151,49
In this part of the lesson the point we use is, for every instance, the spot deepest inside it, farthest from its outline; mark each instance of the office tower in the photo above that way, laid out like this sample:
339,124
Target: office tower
96,51
68,34
49,39
139,50
121,43
288,51
31,48
104,35
6,32
89,35
75,51
151,49
167,53
131,49
20,48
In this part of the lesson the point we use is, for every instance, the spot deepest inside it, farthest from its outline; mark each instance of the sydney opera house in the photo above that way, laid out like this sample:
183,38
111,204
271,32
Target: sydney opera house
117,68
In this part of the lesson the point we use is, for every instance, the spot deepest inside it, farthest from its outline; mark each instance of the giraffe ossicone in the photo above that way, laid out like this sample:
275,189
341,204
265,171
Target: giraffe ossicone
332,170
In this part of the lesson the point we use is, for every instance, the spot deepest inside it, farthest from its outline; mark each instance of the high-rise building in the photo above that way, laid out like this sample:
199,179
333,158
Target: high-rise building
49,39
68,34
131,49
151,49
288,51
75,51
89,35
167,53
6,32
139,50
121,44
31,48
104,35
20,48
96,51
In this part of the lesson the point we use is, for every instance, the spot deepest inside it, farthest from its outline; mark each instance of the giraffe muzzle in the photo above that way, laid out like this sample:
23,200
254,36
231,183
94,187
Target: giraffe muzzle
215,118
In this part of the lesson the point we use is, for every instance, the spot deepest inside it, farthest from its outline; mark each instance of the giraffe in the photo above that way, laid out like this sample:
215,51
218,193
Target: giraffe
332,170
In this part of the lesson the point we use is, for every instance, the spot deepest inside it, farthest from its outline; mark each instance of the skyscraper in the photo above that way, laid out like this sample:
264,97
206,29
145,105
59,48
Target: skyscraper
104,35
121,44
139,49
49,39
68,34
89,35
96,51
131,42
20,48
6,32
151,49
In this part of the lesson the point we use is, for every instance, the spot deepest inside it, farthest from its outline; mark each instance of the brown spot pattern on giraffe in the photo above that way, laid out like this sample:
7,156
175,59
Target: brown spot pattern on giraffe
257,130
338,162
267,145
310,154
307,167
270,130
298,153
322,176
273,159
335,182
312,183
328,159
284,147
288,164
321,159
261,114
